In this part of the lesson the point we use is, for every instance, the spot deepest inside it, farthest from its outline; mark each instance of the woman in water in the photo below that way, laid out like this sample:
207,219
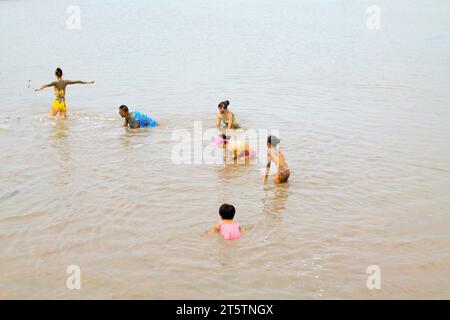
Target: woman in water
226,117
236,149
136,119
274,154
59,105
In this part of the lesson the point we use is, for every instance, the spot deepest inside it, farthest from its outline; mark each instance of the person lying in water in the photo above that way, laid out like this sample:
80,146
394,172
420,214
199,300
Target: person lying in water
234,150
59,104
136,119
226,117
274,154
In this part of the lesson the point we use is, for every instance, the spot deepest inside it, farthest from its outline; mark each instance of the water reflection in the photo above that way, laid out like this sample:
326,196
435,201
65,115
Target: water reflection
275,198
60,131
60,142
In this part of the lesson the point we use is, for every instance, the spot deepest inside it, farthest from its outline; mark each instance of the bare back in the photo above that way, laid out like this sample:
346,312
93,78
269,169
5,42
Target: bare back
277,156
60,89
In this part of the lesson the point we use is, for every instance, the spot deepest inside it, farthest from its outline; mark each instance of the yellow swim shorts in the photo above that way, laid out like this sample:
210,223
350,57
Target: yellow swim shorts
59,106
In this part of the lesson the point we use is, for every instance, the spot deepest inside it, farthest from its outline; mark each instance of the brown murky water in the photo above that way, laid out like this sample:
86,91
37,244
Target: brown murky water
363,116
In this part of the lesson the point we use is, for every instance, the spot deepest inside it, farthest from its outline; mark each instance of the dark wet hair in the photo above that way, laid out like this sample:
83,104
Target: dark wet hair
225,137
273,140
227,211
224,104
123,108
58,72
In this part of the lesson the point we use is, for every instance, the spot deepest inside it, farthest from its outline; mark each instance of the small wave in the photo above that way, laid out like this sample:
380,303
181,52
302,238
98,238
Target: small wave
429,168
9,195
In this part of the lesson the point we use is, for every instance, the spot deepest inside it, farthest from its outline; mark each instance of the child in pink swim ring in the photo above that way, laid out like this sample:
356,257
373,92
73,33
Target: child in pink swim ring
228,228
234,149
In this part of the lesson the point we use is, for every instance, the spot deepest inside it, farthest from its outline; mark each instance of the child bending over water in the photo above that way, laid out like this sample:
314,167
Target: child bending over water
234,150
274,154
228,228
136,119
59,104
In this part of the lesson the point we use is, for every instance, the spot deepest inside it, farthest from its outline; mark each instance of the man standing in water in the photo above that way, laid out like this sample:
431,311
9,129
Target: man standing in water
136,119
59,105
